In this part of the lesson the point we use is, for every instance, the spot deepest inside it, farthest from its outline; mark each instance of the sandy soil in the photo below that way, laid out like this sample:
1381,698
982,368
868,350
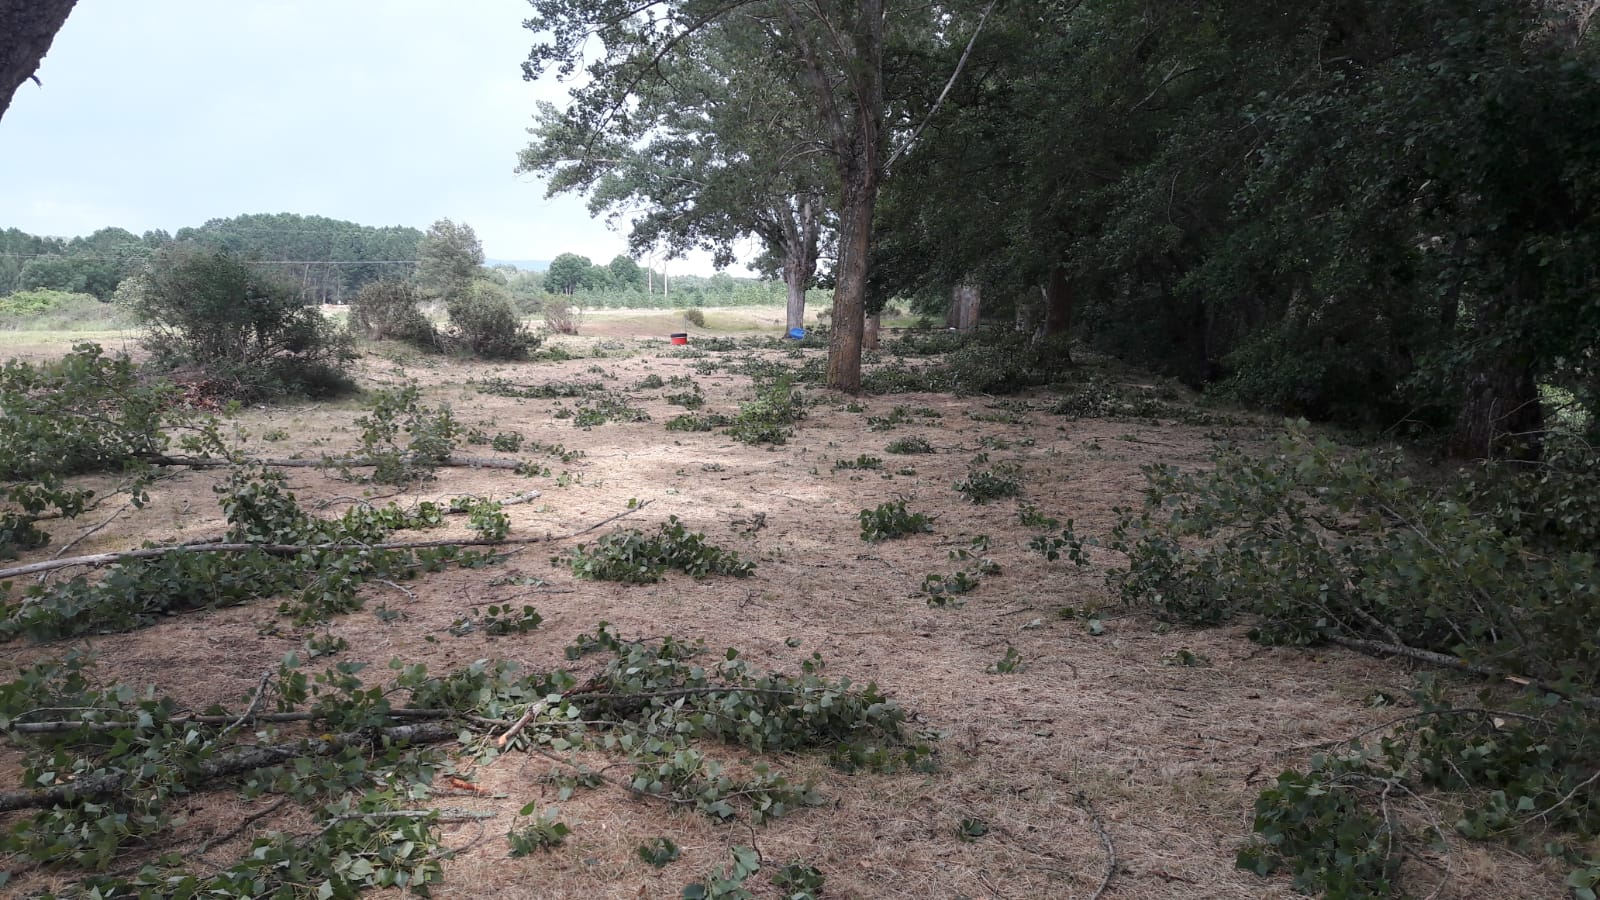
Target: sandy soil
1096,734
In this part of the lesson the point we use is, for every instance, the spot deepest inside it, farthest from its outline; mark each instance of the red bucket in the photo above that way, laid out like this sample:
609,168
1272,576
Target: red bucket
680,338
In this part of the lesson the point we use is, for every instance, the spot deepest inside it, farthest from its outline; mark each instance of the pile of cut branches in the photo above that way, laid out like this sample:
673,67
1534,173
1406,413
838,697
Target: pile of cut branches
105,765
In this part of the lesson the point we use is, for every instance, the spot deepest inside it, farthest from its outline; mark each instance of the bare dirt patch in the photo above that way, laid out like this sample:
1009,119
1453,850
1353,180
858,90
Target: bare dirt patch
1095,733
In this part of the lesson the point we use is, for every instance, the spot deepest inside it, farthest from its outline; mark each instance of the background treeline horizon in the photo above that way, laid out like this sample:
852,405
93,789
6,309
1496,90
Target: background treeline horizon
330,260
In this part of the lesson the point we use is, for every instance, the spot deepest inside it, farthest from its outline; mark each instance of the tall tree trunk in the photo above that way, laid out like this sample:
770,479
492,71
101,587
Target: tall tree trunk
869,339
27,27
966,300
794,284
850,288
1057,304
1500,417
1027,313
797,231
844,70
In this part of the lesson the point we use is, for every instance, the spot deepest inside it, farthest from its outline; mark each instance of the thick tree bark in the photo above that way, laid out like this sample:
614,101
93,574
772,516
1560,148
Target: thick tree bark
791,229
1501,416
1057,304
794,285
965,300
850,290
27,27
869,339
797,231
844,70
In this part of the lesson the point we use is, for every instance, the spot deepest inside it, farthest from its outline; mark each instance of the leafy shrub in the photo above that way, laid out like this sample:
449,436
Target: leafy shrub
561,316
85,412
431,433
692,422
47,310
128,760
391,311
544,832
1323,544
900,415
908,446
693,398
994,484
767,419
27,303
895,377
1320,544
1314,825
1096,399
631,556
1009,664
606,407
244,330
260,510
1520,772
799,881
727,883
1554,505
82,413
486,325
892,520
942,590
997,366
658,852
552,390
695,316
860,462
928,343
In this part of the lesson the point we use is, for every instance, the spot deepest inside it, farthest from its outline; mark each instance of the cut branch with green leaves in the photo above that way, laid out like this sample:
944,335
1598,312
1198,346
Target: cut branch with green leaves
105,764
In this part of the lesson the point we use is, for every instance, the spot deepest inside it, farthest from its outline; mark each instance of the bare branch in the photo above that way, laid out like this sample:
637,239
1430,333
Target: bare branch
960,64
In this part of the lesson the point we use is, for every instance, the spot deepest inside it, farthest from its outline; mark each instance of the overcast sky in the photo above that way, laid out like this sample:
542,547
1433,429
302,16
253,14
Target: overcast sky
166,113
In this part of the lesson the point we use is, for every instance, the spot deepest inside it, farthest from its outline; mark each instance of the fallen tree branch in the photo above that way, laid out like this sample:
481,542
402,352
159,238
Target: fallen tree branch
238,829
214,545
328,462
521,723
253,708
1422,714
234,762
61,726
1105,839
1380,648
104,559
82,537
679,692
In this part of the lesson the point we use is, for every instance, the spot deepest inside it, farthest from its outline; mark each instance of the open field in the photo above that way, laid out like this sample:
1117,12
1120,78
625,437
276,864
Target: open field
1095,739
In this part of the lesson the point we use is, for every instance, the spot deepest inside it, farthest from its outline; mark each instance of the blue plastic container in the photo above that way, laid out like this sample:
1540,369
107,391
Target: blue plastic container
797,334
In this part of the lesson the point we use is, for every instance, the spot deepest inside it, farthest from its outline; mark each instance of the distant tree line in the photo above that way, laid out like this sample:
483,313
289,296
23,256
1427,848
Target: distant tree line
327,260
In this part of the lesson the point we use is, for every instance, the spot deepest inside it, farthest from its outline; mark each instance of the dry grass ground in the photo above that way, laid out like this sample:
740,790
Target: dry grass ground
1095,733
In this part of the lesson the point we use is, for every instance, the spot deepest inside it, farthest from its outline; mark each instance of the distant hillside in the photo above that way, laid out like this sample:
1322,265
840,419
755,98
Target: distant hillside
527,265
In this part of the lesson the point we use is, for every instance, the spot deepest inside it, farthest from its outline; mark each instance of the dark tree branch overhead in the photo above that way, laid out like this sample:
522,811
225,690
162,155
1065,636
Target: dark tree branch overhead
27,28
